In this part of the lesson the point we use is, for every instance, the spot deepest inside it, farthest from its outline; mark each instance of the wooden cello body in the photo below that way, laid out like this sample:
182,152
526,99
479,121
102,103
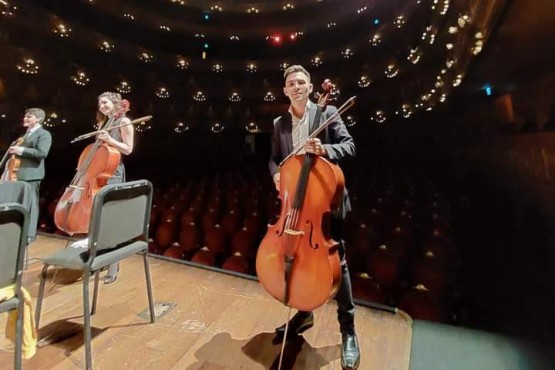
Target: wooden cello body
73,211
298,261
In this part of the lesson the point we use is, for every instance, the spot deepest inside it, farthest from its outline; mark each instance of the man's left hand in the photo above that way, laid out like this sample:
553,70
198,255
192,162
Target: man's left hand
18,150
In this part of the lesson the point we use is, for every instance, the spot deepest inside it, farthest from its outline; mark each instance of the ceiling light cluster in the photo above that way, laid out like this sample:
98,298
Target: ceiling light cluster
269,97
52,120
414,55
406,110
28,66
251,68
252,127
376,39
252,10
199,96
379,116
350,120
217,68
123,87
235,97
364,82
143,126
80,78
146,57
217,128
347,53
62,30
391,71
106,46
181,127
399,21
288,6
182,64
162,92
316,61
8,10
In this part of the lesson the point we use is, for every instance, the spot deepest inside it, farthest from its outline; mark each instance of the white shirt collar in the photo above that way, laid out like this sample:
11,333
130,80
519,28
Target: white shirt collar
31,130
306,109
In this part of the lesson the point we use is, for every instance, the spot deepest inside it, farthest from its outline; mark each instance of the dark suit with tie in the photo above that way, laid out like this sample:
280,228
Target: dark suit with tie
339,144
36,146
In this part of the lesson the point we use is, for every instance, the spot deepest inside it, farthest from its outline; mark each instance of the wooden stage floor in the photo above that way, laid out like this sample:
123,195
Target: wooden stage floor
216,321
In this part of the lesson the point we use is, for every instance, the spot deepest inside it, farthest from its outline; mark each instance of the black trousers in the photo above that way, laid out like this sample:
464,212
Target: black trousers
344,296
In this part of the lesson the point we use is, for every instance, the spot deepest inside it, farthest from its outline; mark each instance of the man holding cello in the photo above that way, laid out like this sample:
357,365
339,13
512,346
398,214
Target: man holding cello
26,157
291,131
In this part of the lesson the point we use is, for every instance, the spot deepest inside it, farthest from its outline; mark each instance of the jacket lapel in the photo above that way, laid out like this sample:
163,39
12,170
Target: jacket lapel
312,112
286,132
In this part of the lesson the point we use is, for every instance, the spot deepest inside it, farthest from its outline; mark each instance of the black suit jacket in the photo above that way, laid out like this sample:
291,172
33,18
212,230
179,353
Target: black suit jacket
36,148
336,139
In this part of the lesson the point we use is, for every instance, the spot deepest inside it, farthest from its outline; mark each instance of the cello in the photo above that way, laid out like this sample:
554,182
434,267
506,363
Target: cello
298,261
11,163
97,163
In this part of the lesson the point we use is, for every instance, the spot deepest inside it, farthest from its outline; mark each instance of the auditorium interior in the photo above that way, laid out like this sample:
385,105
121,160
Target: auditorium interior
450,242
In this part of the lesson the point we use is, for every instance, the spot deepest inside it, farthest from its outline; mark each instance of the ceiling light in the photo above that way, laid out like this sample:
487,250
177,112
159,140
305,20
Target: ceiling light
80,78
364,81
123,87
28,66
217,128
199,96
181,127
235,98
106,46
182,64
252,127
162,93
62,30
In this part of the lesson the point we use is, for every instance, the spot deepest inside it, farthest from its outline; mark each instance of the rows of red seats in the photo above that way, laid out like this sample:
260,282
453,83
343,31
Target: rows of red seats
399,240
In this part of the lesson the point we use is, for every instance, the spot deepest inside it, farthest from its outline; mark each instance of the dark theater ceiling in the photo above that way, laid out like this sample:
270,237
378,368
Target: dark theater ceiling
217,65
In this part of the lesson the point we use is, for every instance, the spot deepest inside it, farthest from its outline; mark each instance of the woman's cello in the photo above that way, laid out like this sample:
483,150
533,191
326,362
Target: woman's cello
298,261
97,163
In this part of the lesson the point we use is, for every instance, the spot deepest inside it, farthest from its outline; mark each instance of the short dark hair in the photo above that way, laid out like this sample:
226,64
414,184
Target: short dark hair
37,112
294,69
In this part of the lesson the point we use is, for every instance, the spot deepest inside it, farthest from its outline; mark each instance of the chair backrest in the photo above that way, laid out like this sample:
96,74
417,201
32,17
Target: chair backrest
14,223
120,214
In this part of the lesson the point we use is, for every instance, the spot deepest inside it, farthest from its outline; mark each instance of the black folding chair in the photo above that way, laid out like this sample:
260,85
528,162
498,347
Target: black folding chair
14,223
118,229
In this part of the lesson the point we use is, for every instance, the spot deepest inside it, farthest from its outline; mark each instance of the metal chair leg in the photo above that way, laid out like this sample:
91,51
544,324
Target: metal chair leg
87,321
149,289
19,332
40,296
95,292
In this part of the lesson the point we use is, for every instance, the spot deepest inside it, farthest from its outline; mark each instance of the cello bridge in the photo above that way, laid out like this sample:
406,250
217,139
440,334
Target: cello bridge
76,187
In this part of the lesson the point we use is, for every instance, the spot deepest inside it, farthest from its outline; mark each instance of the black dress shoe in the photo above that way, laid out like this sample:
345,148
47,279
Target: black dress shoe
299,323
350,352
